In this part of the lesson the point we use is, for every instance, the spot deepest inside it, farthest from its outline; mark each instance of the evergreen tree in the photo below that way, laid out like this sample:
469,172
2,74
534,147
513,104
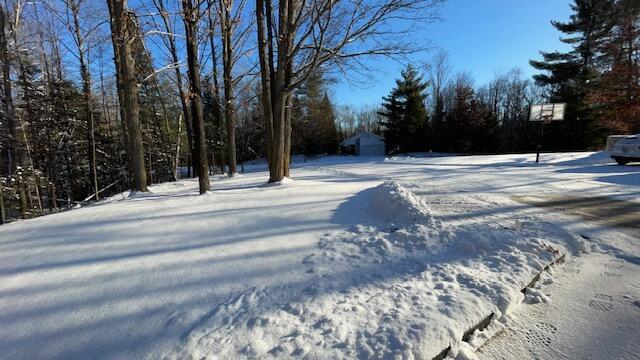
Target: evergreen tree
616,93
570,74
438,140
329,142
392,111
313,121
471,125
406,115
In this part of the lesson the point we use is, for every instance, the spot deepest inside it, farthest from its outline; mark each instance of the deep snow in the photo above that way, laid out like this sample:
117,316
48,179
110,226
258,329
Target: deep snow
355,257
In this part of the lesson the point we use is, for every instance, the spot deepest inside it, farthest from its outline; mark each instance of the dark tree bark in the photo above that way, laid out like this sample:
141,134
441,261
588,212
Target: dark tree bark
307,34
190,17
10,155
86,93
270,95
217,113
125,66
53,202
22,194
3,215
184,100
226,27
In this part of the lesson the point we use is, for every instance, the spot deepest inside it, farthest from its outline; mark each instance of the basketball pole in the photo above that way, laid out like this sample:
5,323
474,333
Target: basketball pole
545,113
540,140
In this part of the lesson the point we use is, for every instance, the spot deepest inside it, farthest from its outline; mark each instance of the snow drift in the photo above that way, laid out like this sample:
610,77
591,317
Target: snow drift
404,287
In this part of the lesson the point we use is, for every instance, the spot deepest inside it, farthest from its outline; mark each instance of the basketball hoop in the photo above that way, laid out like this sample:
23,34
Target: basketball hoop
545,114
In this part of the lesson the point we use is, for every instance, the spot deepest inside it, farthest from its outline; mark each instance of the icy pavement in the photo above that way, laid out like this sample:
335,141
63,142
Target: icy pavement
355,258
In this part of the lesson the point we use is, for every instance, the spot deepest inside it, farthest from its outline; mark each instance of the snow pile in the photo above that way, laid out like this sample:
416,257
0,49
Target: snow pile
396,204
399,230
565,159
404,284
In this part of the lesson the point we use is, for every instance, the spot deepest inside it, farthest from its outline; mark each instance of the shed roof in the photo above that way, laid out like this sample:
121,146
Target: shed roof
360,134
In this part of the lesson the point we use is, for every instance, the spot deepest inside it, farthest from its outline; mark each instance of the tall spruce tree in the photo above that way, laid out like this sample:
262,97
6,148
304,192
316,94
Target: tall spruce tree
616,93
406,115
570,74
329,136
313,123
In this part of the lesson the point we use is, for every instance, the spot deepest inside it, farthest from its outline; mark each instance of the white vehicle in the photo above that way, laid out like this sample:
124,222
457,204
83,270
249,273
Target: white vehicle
627,150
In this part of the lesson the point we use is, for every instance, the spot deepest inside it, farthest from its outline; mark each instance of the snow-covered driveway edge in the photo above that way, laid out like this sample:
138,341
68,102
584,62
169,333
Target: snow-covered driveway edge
414,283
465,346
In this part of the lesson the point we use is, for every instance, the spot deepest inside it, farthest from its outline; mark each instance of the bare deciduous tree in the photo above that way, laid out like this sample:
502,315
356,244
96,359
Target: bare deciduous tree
234,33
73,8
170,43
191,17
9,156
297,36
122,36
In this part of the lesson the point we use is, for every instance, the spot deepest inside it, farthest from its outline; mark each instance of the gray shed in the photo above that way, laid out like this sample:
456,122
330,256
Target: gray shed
364,144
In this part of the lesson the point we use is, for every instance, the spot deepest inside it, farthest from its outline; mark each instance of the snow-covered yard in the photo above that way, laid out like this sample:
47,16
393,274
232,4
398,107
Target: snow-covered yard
353,258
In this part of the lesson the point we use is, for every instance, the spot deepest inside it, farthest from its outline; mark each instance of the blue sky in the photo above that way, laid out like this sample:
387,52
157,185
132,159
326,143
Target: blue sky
481,37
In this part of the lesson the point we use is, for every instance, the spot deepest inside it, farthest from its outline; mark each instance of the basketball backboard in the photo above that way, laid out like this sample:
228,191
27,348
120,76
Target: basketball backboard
547,112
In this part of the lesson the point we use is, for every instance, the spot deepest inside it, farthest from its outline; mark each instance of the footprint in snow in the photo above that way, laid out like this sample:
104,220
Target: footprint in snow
611,274
601,302
614,264
546,327
536,338
603,297
570,270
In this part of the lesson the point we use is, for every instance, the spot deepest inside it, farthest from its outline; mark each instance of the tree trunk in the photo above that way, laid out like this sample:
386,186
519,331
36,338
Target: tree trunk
125,65
287,136
10,156
53,201
275,85
88,105
227,62
186,112
22,193
217,113
39,194
3,215
268,93
177,158
195,95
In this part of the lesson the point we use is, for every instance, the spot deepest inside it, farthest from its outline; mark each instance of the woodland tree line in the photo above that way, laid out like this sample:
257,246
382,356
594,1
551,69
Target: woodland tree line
98,97
599,79
101,96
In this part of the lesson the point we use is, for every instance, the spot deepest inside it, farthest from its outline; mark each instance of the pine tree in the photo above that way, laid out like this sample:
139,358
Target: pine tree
406,115
313,121
569,74
616,93
329,137
392,111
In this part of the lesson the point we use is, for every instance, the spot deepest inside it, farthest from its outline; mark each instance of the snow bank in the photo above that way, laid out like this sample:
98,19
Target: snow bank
396,204
402,285
565,159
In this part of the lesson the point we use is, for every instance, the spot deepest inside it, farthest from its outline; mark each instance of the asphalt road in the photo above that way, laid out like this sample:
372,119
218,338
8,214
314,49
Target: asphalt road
603,210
